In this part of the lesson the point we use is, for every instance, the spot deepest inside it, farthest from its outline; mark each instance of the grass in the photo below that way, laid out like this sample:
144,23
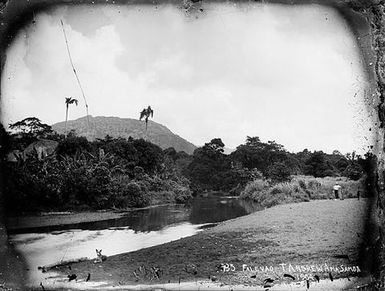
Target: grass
299,189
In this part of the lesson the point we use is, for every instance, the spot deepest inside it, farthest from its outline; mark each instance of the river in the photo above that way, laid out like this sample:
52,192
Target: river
136,230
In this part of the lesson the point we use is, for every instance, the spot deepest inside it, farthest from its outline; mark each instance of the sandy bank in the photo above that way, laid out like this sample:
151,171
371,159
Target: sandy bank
321,237
35,221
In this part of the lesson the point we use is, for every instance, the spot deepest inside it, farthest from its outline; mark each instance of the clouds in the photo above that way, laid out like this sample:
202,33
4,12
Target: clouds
282,73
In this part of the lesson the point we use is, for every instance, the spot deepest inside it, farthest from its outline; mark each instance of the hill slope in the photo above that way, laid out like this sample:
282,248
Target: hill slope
100,126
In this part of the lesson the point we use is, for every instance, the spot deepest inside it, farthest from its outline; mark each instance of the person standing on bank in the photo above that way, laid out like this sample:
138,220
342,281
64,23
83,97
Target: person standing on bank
337,191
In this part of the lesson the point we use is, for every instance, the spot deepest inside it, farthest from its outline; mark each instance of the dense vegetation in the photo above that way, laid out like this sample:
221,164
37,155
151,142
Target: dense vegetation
299,189
122,173
107,173
211,169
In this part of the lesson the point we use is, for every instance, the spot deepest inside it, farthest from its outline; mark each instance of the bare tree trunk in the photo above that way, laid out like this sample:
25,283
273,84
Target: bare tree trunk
146,131
65,128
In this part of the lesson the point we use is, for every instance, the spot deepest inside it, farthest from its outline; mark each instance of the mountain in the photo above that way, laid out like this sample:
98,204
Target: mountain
100,126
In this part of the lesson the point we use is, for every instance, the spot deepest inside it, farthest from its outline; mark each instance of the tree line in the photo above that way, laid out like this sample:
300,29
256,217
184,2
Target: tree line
211,169
121,173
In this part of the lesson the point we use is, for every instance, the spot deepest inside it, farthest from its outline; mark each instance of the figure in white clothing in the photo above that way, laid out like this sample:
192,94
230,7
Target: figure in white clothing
337,191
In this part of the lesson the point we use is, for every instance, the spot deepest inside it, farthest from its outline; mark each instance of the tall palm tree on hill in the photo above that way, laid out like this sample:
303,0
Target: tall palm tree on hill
146,113
69,100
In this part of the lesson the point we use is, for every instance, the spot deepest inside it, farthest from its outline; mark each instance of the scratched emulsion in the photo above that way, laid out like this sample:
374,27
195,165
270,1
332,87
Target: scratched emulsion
244,69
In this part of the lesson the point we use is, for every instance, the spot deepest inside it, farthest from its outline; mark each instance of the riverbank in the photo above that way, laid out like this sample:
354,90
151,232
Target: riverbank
318,238
60,218
21,223
300,189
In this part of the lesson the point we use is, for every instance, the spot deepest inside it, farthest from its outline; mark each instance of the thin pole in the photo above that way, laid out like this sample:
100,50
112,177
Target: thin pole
76,75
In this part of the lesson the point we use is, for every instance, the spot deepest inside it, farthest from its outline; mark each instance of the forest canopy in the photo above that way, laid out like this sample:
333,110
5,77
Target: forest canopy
45,170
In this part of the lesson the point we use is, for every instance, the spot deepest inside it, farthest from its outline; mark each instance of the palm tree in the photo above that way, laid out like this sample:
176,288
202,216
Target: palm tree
146,113
69,100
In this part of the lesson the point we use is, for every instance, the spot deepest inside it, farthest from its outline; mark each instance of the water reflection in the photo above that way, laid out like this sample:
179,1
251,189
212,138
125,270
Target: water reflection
142,220
201,210
219,208
136,230
48,248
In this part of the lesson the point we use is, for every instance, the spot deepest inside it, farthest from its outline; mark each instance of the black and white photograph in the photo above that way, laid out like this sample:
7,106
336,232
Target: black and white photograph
192,145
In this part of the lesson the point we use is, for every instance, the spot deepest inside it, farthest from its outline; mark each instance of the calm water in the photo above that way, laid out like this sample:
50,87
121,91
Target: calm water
136,230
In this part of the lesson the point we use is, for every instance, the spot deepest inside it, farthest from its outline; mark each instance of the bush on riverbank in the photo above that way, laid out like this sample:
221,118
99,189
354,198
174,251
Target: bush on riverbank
322,188
87,180
299,189
174,189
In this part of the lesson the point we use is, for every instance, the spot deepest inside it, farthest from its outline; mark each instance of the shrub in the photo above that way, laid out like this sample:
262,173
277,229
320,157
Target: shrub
279,172
182,194
73,145
255,190
128,193
255,186
329,173
353,172
314,184
299,189
302,184
169,191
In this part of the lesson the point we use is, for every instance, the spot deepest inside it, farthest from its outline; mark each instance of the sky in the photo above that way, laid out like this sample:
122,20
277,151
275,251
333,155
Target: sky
292,74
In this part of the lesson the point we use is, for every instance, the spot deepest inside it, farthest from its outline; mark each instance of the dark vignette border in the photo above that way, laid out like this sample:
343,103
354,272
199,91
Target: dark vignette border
366,19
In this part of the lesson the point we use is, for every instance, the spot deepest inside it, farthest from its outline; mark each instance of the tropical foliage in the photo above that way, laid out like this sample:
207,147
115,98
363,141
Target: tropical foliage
125,173
68,102
299,189
108,173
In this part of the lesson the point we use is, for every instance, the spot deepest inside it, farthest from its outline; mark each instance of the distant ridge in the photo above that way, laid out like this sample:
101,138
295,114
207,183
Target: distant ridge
100,126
